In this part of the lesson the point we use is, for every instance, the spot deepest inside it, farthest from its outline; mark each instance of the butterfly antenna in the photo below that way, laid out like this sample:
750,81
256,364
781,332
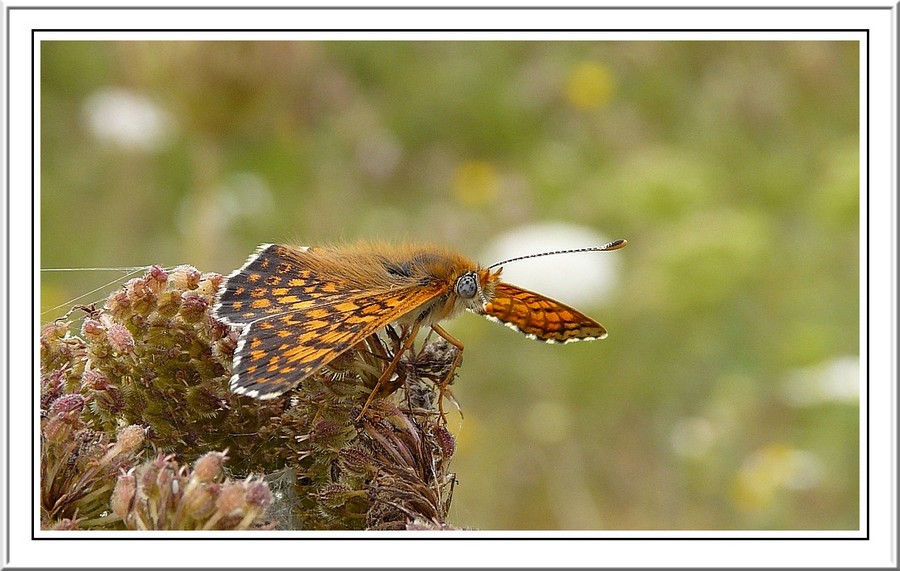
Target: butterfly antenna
614,245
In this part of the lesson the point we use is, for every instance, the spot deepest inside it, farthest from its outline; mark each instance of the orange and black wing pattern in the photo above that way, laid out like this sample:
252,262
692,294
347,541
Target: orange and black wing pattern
294,321
539,317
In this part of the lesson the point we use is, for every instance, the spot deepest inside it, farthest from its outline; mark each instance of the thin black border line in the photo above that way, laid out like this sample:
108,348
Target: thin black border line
451,537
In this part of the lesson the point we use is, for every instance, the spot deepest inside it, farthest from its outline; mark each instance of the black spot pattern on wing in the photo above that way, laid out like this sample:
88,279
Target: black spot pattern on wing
296,322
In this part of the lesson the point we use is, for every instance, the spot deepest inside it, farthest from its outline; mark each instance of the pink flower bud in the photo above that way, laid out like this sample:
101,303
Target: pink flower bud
91,328
119,304
123,494
156,279
258,494
186,277
120,338
67,406
193,306
57,430
208,467
53,331
231,498
94,380
130,439
200,502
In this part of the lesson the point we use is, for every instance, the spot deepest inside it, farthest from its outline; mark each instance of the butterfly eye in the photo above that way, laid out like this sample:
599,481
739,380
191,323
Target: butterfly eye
467,286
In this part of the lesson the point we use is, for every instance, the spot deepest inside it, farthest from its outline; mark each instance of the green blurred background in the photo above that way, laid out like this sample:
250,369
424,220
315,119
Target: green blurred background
726,396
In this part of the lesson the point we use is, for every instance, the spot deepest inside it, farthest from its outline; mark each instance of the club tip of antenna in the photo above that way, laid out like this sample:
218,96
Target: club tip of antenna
616,244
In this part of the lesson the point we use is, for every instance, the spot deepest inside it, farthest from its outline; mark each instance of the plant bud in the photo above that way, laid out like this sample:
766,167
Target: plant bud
92,329
94,380
57,430
333,495
208,467
193,306
123,494
120,338
119,304
185,277
143,299
156,279
148,473
209,284
168,303
231,499
200,502
68,406
130,439
356,460
258,494
54,330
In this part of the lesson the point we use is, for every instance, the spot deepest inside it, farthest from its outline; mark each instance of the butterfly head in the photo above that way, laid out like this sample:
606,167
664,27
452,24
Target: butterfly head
475,288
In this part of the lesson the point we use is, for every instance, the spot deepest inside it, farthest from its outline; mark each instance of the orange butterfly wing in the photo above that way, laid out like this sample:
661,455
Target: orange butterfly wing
294,321
539,317
275,279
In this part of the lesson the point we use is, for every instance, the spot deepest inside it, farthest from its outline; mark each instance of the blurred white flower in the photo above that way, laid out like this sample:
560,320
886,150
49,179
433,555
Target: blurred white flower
832,381
774,467
693,437
574,279
127,119
246,195
241,196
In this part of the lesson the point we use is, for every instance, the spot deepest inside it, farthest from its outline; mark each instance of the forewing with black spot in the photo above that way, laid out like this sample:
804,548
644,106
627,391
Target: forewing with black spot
274,280
294,321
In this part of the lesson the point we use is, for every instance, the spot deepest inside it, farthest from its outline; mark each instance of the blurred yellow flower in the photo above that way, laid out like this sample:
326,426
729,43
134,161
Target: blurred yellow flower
590,86
476,183
771,469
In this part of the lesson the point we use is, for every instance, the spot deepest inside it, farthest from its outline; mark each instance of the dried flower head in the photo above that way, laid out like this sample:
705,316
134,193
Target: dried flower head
153,360
163,494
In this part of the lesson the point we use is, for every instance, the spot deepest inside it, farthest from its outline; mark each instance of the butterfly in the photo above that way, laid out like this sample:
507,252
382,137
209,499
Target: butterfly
299,308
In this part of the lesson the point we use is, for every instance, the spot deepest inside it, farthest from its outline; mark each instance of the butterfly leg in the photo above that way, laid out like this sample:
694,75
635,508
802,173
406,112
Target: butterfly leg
386,375
442,387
